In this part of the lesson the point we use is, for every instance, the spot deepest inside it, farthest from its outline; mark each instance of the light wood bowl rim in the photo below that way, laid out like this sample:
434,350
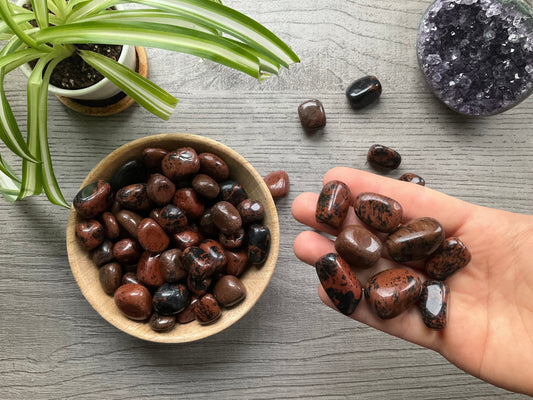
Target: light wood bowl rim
255,279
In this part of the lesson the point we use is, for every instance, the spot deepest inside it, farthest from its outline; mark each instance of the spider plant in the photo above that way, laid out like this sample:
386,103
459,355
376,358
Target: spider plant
204,28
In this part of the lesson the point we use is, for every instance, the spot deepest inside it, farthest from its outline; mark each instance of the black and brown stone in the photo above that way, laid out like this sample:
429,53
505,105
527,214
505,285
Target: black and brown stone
391,292
90,234
339,282
258,238
413,178
134,197
363,91
451,257
93,199
377,211
333,203
207,309
434,300
415,240
232,192
383,157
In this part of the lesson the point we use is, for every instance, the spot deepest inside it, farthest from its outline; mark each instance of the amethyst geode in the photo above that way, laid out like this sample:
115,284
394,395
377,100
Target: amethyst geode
477,55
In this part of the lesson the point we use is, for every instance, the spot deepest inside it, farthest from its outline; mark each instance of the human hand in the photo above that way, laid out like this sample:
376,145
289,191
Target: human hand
490,315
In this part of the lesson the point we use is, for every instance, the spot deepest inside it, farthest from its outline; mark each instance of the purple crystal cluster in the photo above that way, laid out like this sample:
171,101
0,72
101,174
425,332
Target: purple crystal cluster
477,55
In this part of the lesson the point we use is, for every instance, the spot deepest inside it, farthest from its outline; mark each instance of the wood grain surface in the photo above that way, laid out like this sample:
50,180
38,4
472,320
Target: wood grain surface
55,346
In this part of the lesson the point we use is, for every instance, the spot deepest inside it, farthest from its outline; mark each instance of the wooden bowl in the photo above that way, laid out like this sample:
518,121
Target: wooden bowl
255,279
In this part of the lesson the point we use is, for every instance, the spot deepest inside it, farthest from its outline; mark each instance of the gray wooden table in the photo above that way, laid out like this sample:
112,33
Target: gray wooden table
53,345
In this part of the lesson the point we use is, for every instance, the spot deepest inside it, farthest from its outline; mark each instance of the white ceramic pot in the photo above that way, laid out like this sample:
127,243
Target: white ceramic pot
100,90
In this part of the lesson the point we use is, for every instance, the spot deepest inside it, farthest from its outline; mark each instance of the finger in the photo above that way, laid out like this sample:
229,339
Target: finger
417,201
310,246
408,325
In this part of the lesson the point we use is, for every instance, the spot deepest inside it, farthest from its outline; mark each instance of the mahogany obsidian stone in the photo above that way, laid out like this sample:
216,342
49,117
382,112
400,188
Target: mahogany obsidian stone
413,178
333,203
415,240
129,173
358,246
170,299
377,211
451,257
383,157
278,184
434,300
340,283
391,292
134,197
363,91
232,192
258,237
93,199
162,323
207,309
312,114
477,55
134,301
214,166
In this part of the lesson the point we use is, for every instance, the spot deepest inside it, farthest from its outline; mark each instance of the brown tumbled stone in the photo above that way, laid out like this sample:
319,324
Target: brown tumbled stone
207,309
172,219
415,240
391,292
187,238
127,251
229,291
149,270
152,157
379,212
312,114
159,189
162,323
251,211
172,270
110,276
187,200
134,197
333,203
214,166
383,157
93,199
233,241
339,282
278,184
130,221
226,217
413,178
434,299
111,226
187,315
134,301
451,257
358,246
103,254
130,277
180,164
152,237
205,186
236,262
90,234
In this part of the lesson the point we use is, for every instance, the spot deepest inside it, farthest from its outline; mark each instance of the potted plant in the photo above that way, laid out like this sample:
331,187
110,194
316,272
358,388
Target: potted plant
204,28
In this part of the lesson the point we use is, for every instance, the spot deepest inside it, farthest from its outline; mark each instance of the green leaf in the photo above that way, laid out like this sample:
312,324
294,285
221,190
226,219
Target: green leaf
40,8
9,131
6,14
19,19
49,181
232,22
167,37
147,15
82,9
32,172
8,171
146,93
9,188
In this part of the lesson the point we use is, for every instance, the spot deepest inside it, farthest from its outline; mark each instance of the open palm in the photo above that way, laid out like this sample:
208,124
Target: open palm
490,326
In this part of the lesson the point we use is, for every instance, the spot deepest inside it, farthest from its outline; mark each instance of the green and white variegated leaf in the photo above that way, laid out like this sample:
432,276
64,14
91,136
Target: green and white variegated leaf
6,14
9,187
9,131
232,22
147,15
201,44
146,93
40,9
49,181
19,19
